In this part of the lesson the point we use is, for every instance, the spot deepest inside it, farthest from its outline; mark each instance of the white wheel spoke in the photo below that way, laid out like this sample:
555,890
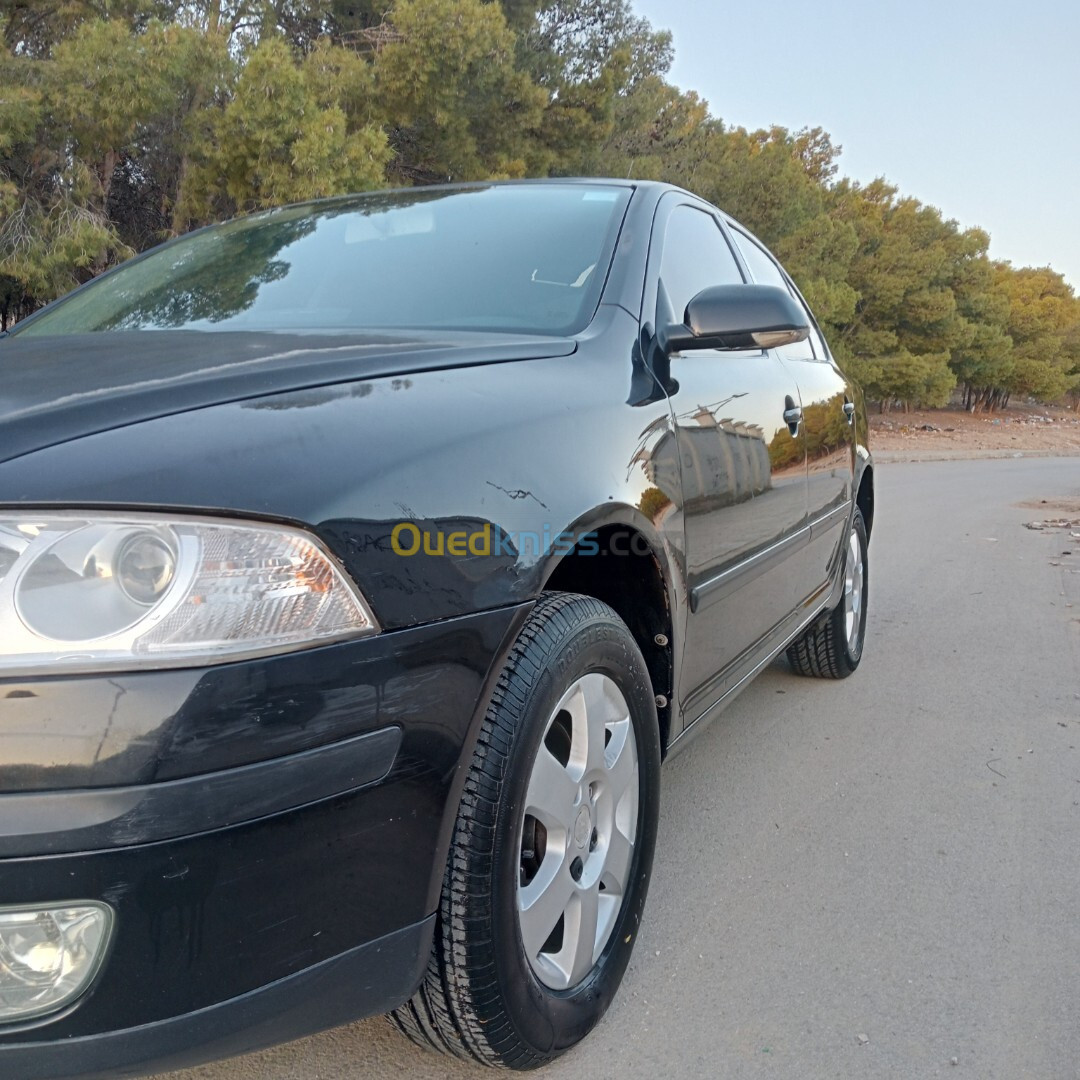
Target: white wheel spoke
621,760
581,932
541,905
854,587
552,791
617,862
598,712
573,704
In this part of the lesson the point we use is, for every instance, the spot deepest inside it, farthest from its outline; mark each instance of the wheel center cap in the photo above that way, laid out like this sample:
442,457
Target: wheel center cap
582,827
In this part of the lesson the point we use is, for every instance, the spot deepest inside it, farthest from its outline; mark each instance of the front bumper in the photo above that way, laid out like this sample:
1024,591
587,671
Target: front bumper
286,886
365,980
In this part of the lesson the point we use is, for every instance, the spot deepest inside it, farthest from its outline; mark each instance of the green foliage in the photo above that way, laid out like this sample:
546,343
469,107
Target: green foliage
582,54
1044,324
290,131
128,121
658,133
462,108
33,28
48,250
916,277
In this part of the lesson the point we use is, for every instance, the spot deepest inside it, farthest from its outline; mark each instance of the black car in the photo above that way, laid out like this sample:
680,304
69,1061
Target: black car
360,562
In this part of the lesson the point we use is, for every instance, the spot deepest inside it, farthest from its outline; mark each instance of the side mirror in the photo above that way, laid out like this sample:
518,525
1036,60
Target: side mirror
737,317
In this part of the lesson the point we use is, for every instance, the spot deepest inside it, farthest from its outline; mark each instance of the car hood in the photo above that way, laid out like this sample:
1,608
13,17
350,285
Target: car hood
53,389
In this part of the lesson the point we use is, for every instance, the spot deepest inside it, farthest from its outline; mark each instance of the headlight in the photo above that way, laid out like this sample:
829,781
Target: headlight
87,591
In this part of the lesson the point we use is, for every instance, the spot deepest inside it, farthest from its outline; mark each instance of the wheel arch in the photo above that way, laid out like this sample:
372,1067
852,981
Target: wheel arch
621,560
864,498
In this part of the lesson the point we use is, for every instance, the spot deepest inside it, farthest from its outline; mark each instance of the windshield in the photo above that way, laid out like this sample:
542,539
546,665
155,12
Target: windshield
525,258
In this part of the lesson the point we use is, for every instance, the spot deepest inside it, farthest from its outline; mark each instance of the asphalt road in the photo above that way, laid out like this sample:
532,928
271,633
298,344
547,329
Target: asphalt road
893,859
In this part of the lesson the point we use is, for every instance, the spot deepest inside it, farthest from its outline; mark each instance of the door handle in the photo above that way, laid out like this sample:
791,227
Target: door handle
849,411
792,416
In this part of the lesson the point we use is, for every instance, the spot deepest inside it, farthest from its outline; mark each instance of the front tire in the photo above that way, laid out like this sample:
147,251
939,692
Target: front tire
833,646
557,825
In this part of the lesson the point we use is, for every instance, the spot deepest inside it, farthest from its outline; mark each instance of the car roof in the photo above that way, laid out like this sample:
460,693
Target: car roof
653,186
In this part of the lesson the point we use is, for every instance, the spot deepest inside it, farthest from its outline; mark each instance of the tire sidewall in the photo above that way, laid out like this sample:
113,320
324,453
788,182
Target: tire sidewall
547,1020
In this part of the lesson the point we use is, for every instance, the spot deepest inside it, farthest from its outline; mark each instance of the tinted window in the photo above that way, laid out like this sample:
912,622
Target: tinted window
695,256
528,258
820,352
762,268
765,271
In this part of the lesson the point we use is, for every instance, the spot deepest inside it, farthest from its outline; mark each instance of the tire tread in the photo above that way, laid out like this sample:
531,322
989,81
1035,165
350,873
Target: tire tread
821,651
460,985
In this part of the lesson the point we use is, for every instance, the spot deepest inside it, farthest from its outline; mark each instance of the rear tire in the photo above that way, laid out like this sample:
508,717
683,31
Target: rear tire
557,824
833,646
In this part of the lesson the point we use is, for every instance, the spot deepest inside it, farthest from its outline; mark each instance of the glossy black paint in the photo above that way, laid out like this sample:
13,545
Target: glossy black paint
143,728
203,919
52,822
354,983
216,914
93,382
741,510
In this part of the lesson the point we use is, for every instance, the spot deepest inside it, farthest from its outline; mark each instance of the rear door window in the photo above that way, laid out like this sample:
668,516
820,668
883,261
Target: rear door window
766,271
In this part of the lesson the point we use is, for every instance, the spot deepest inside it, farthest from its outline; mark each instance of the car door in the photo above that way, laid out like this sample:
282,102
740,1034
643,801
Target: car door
828,426
742,465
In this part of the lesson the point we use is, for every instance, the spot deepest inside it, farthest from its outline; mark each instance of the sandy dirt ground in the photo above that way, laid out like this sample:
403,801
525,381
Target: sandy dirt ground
947,433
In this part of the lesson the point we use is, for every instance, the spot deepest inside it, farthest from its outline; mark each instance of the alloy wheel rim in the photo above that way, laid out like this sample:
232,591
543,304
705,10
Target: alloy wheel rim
854,589
578,832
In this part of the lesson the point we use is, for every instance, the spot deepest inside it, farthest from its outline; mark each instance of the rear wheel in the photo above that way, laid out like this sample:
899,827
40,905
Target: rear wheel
833,646
551,854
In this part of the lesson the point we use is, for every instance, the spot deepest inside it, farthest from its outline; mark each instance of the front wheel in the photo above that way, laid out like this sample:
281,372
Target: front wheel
833,646
551,854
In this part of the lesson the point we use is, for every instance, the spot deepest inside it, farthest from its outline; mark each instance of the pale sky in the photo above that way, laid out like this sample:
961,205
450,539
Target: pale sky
973,107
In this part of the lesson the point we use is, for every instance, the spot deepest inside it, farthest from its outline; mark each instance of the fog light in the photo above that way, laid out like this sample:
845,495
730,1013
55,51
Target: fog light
48,956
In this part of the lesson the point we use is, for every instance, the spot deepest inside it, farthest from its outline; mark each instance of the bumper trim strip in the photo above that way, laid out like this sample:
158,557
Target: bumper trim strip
54,822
